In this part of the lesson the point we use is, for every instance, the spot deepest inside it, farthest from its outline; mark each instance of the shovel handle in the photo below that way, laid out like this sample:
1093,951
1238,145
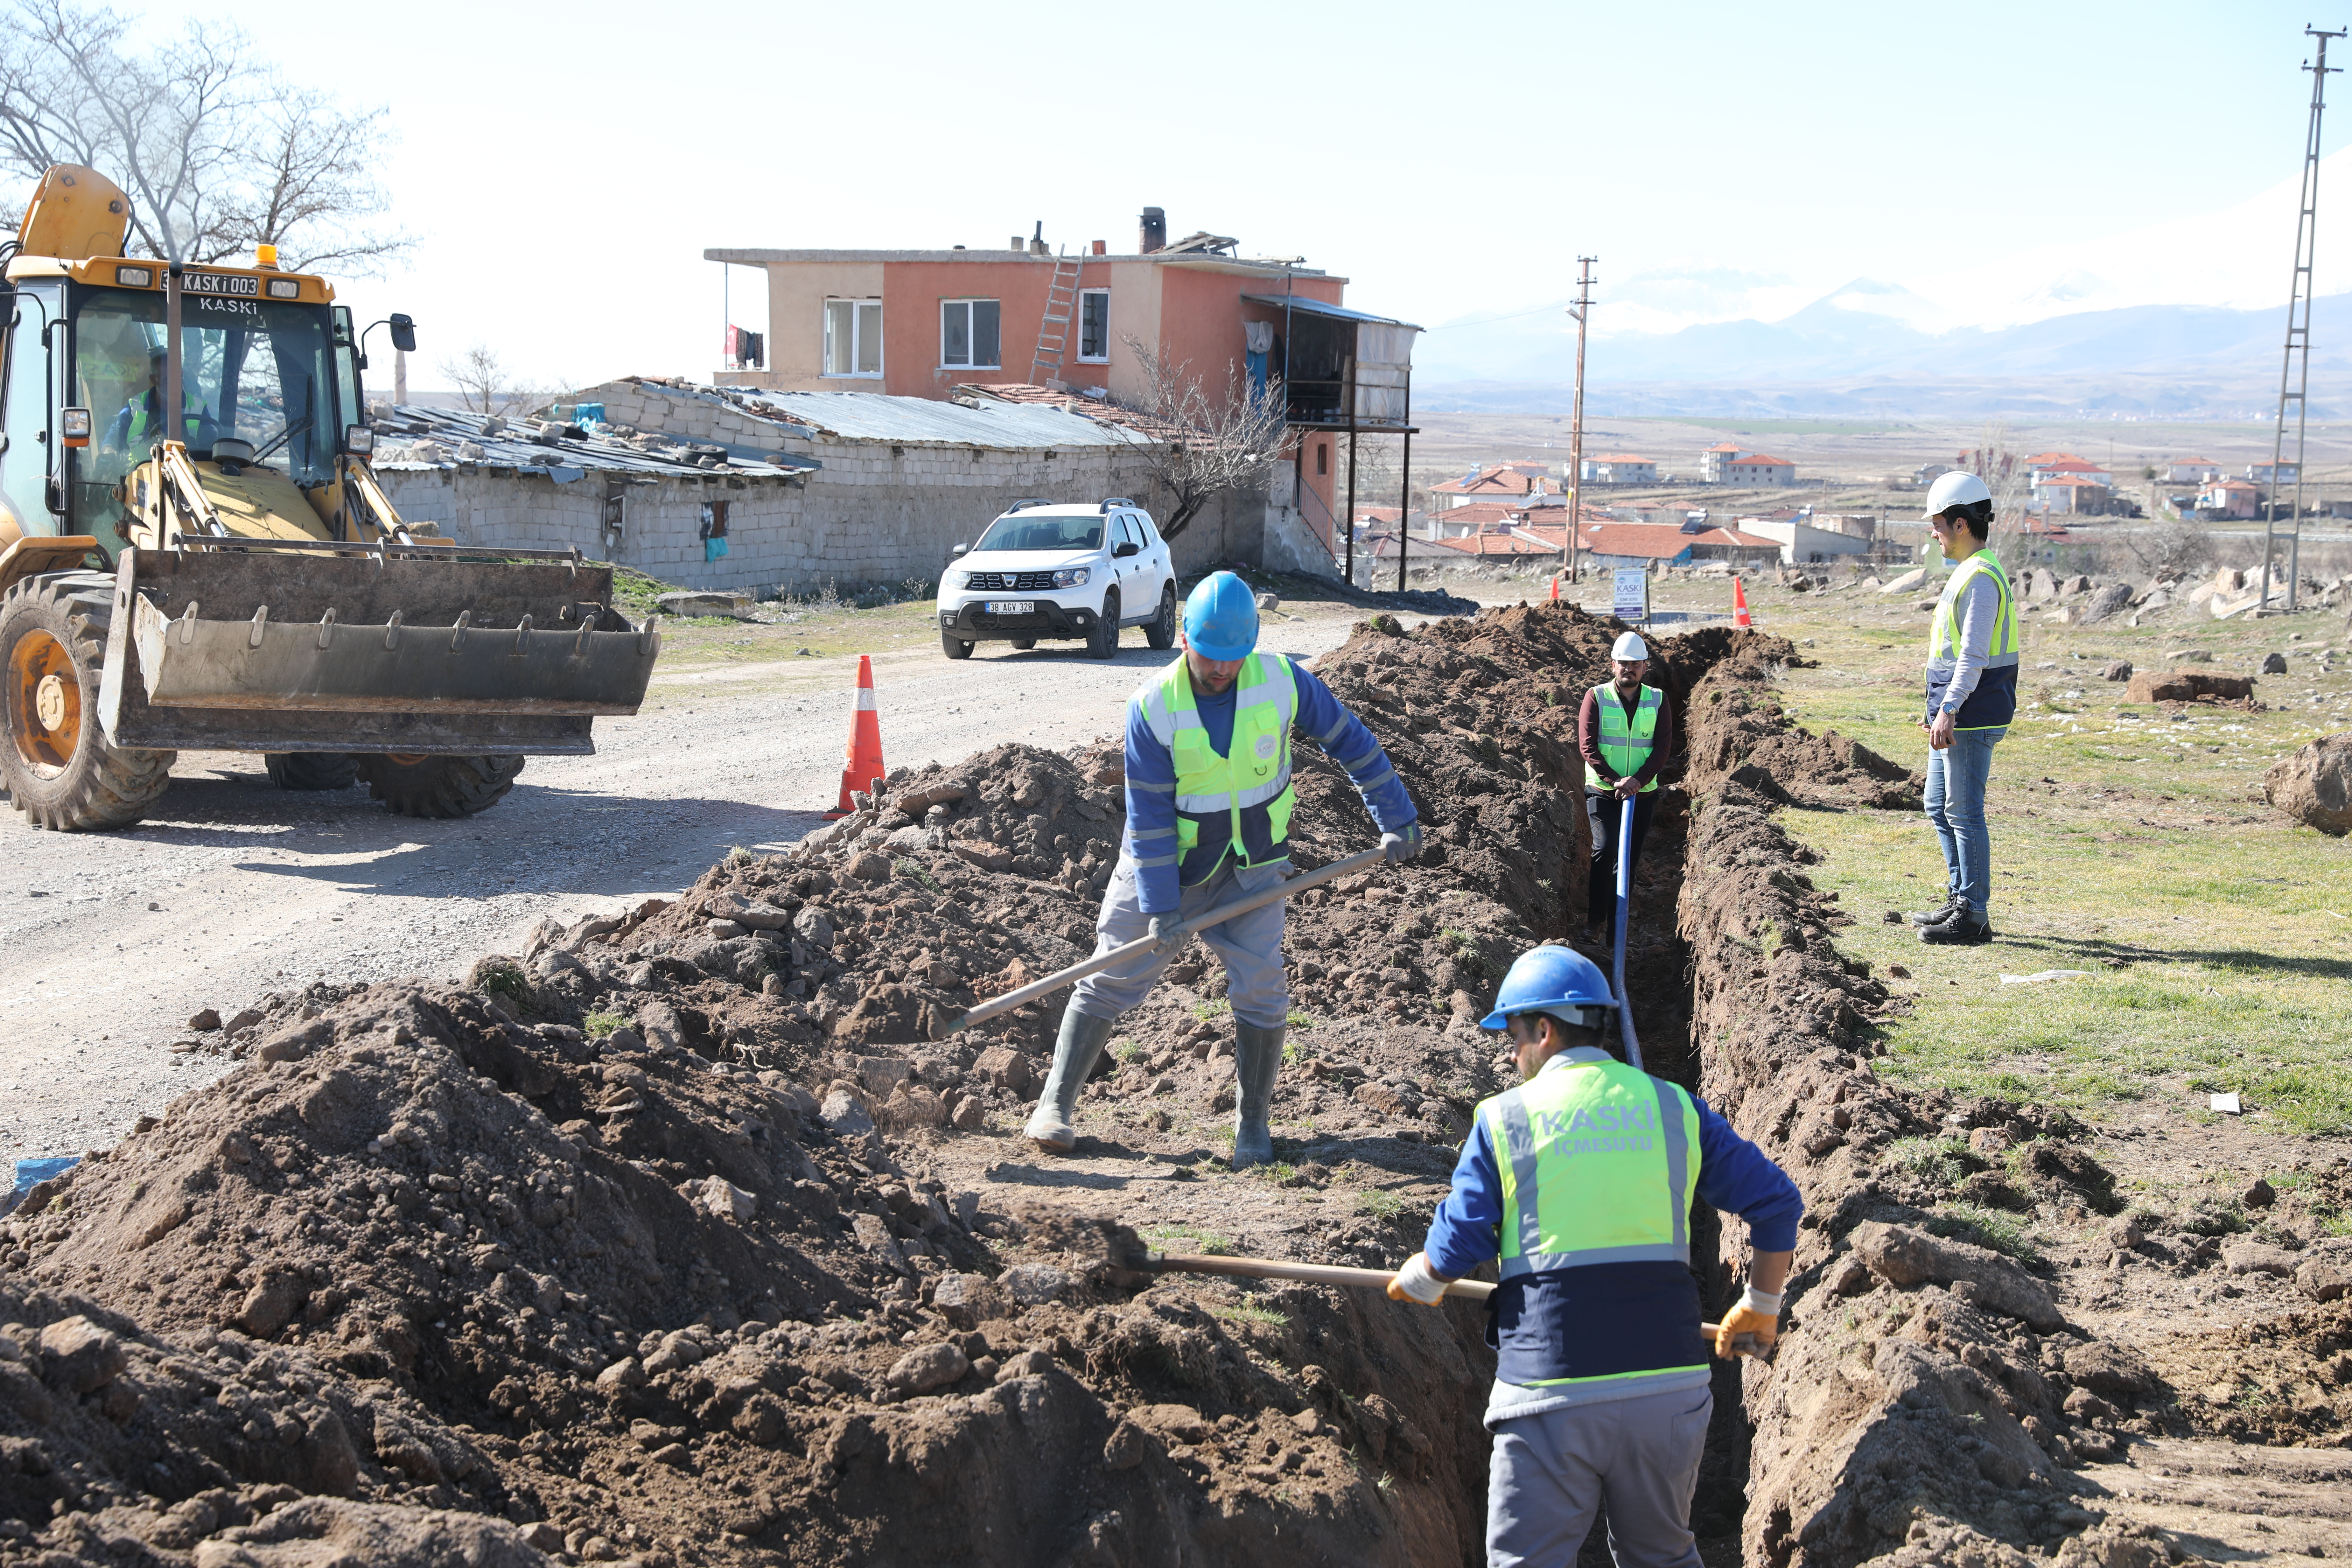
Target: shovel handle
1329,1274
998,1006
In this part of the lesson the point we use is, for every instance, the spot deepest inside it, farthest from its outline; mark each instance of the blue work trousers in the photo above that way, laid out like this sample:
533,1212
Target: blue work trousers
1250,945
1955,797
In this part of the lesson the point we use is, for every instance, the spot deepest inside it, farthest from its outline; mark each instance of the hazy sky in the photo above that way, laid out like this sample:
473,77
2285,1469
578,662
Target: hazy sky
564,166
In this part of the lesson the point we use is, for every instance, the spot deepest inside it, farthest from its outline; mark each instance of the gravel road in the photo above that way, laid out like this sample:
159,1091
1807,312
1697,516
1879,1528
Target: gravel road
233,889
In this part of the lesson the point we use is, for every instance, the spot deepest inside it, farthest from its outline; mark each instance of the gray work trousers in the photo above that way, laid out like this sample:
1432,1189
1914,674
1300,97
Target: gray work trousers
1549,1473
1250,946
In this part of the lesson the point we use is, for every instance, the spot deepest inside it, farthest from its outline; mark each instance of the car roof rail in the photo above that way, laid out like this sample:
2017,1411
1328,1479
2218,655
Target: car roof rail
1116,500
1026,501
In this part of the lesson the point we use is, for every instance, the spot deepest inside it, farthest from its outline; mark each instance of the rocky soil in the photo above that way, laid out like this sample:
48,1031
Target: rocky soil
689,1233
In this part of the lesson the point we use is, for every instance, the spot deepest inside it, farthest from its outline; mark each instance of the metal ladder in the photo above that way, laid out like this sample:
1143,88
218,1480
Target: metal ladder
1054,330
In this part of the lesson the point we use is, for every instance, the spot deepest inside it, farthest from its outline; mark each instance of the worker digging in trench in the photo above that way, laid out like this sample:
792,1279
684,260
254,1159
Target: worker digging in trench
1625,732
1580,1181
1209,800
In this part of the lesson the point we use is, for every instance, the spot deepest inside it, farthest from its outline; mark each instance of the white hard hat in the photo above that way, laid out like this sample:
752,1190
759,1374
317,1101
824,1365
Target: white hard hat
1956,488
1629,647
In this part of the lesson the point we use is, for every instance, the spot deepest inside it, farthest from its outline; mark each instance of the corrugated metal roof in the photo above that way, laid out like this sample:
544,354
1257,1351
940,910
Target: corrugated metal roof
878,416
1318,308
457,439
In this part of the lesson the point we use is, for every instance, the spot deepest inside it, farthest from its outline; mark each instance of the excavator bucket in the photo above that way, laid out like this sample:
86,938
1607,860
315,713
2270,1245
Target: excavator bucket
292,645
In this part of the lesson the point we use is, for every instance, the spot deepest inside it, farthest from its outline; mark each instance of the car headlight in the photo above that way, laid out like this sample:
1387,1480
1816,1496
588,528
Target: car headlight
1073,576
963,579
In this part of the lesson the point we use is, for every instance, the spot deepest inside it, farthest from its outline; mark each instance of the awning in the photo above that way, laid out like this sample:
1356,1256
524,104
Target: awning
1318,308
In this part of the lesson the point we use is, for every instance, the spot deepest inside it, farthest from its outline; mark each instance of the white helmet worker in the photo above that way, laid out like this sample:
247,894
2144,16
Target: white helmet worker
1629,647
1956,488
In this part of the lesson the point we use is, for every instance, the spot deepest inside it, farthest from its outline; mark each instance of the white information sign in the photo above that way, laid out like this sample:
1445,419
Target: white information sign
1632,596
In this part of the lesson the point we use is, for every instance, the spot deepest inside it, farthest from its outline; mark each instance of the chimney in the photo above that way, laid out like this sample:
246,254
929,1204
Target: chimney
1155,232
1101,247
1037,240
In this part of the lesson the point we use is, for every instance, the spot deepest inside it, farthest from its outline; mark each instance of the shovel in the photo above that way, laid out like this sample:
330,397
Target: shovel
1329,1274
1141,946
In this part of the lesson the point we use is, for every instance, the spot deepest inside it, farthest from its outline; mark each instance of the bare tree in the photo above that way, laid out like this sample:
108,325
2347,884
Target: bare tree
481,380
216,152
2171,547
1205,445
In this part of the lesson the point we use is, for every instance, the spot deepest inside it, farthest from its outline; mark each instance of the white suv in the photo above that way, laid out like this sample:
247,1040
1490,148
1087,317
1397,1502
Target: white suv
1045,571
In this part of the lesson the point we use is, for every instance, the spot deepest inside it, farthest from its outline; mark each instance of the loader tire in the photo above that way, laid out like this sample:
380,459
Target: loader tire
312,769
59,769
438,786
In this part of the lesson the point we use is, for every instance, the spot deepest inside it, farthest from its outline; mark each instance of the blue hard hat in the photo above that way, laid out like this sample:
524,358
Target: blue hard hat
1550,979
1221,617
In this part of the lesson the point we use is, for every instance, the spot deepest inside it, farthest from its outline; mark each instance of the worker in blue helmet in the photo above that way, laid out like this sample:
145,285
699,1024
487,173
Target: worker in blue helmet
1601,1389
1209,800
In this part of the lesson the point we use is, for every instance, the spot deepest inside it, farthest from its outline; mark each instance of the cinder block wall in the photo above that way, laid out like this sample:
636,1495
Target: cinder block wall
875,512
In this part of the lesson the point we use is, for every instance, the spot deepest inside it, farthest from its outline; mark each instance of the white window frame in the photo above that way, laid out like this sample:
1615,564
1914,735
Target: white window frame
967,303
858,305
1083,357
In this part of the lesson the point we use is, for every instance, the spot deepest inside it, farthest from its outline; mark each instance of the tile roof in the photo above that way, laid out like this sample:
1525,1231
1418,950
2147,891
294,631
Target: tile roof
1660,542
1500,480
1762,459
413,436
2192,462
1492,544
2042,460
2073,480
1723,447
1621,457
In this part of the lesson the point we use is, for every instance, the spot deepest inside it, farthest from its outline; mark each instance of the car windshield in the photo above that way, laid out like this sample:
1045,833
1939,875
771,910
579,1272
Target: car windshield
1030,530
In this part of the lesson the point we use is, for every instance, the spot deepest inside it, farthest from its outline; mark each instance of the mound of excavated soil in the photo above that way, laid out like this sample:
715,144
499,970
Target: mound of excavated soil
638,1246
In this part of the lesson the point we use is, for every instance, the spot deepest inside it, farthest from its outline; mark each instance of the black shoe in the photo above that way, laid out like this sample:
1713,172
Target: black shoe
1935,917
1961,929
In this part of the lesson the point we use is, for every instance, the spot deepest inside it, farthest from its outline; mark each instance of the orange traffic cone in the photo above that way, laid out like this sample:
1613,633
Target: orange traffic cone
864,764
1738,612
1555,587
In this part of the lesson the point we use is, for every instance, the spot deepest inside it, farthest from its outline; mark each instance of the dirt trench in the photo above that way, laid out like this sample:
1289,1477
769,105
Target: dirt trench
679,1238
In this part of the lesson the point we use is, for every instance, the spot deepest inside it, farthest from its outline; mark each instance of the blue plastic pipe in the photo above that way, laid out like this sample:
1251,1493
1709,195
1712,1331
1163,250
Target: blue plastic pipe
1624,919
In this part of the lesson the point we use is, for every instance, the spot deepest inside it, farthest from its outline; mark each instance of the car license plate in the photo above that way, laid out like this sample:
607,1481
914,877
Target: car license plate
1012,606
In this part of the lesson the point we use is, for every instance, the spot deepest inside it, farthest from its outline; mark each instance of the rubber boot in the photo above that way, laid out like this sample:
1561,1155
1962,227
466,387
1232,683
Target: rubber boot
1075,1055
1257,1057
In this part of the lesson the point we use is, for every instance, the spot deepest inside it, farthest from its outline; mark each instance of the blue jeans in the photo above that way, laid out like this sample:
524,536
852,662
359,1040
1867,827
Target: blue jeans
1955,792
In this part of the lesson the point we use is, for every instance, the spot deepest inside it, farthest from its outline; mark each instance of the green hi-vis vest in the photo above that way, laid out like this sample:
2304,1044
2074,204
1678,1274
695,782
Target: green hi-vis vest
140,418
1599,1165
1944,630
1241,801
1624,745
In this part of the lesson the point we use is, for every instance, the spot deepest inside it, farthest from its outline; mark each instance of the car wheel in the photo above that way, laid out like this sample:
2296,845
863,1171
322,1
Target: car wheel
1162,632
954,647
1025,643
1103,641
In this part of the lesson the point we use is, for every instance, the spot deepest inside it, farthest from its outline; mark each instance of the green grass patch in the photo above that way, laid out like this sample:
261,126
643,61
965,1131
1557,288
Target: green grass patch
1128,1051
1942,1161
1379,1205
1299,1020
1215,1008
1984,1227
598,1025
1184,1238
1250,1312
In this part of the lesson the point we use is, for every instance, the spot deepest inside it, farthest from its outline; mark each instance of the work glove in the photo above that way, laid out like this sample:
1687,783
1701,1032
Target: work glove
1403,845
1416,1282
1159,931
1751,1328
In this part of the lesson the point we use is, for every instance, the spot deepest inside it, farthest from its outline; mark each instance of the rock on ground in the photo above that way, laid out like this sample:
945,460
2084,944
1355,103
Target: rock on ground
2314,785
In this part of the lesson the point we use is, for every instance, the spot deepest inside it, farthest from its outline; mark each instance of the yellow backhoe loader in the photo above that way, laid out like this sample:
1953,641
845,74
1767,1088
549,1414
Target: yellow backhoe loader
234,579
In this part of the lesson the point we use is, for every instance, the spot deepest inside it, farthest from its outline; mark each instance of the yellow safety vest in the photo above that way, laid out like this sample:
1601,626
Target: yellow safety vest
1239,802
1627,746
140,418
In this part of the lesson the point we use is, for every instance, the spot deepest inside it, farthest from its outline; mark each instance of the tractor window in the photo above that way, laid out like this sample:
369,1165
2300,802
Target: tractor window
259,372
25,415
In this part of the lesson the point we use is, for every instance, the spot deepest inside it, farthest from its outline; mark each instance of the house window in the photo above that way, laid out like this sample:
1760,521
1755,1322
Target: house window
968,335
1094,326
1322,458
852,337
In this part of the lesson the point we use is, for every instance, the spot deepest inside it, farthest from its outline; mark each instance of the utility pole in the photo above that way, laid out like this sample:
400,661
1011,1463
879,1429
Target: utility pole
2295,372
1582,309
